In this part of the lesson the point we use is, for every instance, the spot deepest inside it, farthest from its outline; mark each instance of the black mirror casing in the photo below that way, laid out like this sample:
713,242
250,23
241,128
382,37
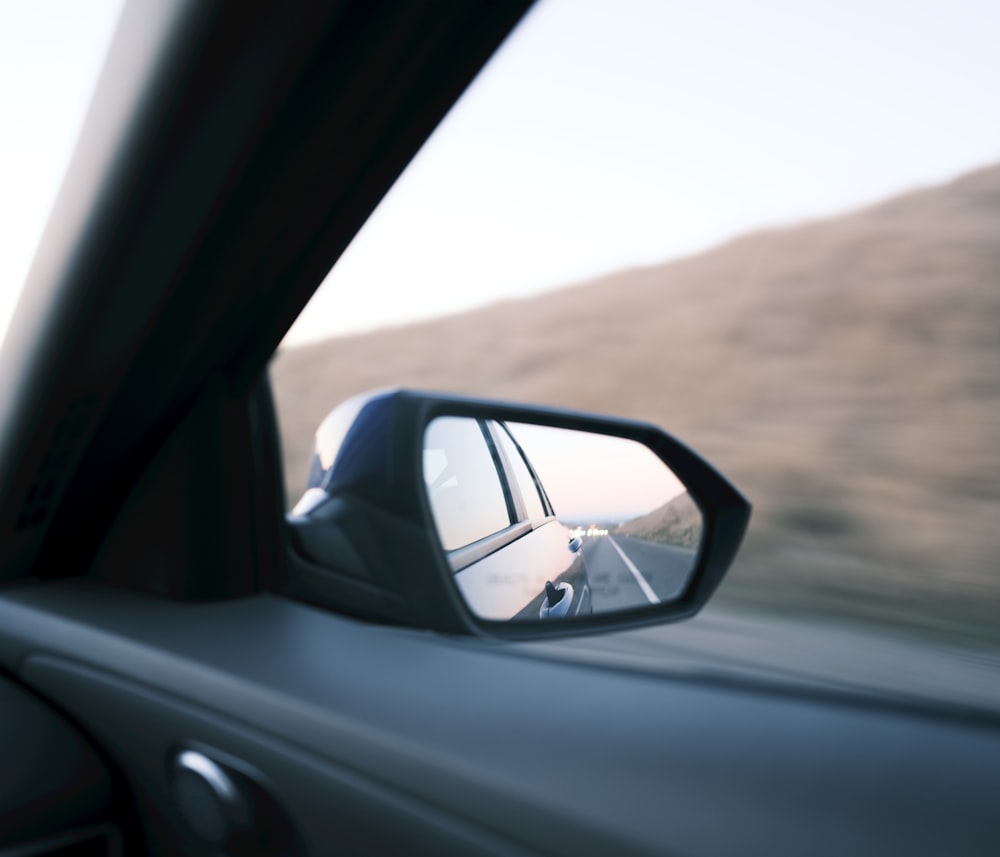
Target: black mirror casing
366,541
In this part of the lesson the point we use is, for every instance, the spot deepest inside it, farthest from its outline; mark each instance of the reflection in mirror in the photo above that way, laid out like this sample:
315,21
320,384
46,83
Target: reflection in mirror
544,523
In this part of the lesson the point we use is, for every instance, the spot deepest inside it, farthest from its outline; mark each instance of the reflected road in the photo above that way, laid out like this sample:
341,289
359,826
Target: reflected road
628,572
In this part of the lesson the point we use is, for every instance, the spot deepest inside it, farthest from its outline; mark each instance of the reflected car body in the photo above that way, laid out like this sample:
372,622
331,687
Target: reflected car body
495,522
525,564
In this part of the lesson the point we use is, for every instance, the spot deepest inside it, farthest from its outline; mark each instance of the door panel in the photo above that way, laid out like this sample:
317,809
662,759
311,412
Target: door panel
55,789
372,738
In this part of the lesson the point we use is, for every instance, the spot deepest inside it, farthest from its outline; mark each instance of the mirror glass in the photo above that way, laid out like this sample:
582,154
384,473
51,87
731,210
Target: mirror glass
542,523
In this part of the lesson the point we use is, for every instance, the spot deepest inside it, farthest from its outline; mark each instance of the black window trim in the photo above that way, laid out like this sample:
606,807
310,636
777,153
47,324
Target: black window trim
546,504
512,497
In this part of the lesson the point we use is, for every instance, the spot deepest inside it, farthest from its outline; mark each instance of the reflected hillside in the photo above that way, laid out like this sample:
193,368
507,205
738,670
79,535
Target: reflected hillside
676,522
844,373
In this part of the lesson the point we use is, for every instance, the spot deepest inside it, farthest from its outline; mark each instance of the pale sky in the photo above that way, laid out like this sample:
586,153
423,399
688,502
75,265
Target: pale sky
607,134
50,56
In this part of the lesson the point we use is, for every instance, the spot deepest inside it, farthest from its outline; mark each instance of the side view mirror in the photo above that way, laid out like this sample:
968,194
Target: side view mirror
479,517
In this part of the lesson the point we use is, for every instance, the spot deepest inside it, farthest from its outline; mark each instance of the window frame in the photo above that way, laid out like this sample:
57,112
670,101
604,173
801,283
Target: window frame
547,508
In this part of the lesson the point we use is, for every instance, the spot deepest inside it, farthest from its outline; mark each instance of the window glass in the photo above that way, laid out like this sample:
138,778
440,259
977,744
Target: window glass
529,490
467,497
769,229
51,54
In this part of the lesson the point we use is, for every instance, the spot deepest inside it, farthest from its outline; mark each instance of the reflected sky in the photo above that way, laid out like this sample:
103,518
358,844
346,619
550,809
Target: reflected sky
595,478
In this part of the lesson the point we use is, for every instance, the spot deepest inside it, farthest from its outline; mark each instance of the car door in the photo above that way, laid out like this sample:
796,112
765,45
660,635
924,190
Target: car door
147,606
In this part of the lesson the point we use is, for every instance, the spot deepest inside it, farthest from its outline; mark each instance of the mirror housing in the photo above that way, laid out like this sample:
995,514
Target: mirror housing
364,534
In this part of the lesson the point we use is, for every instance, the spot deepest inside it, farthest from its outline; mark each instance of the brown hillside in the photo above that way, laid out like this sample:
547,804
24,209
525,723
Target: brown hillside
845,373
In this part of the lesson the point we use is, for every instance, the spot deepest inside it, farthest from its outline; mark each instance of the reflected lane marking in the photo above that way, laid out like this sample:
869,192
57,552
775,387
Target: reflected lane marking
647,590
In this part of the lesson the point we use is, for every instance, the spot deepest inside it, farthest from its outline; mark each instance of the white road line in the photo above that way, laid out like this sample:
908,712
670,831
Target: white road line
647,590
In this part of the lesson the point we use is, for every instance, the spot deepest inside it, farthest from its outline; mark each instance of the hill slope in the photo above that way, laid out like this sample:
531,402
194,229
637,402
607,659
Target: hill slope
845,373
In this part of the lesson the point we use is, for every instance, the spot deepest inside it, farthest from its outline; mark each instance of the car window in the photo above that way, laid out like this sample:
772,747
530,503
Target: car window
468,499
534,507
768,228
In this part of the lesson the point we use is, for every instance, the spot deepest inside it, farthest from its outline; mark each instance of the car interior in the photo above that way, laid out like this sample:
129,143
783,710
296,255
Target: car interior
186,668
